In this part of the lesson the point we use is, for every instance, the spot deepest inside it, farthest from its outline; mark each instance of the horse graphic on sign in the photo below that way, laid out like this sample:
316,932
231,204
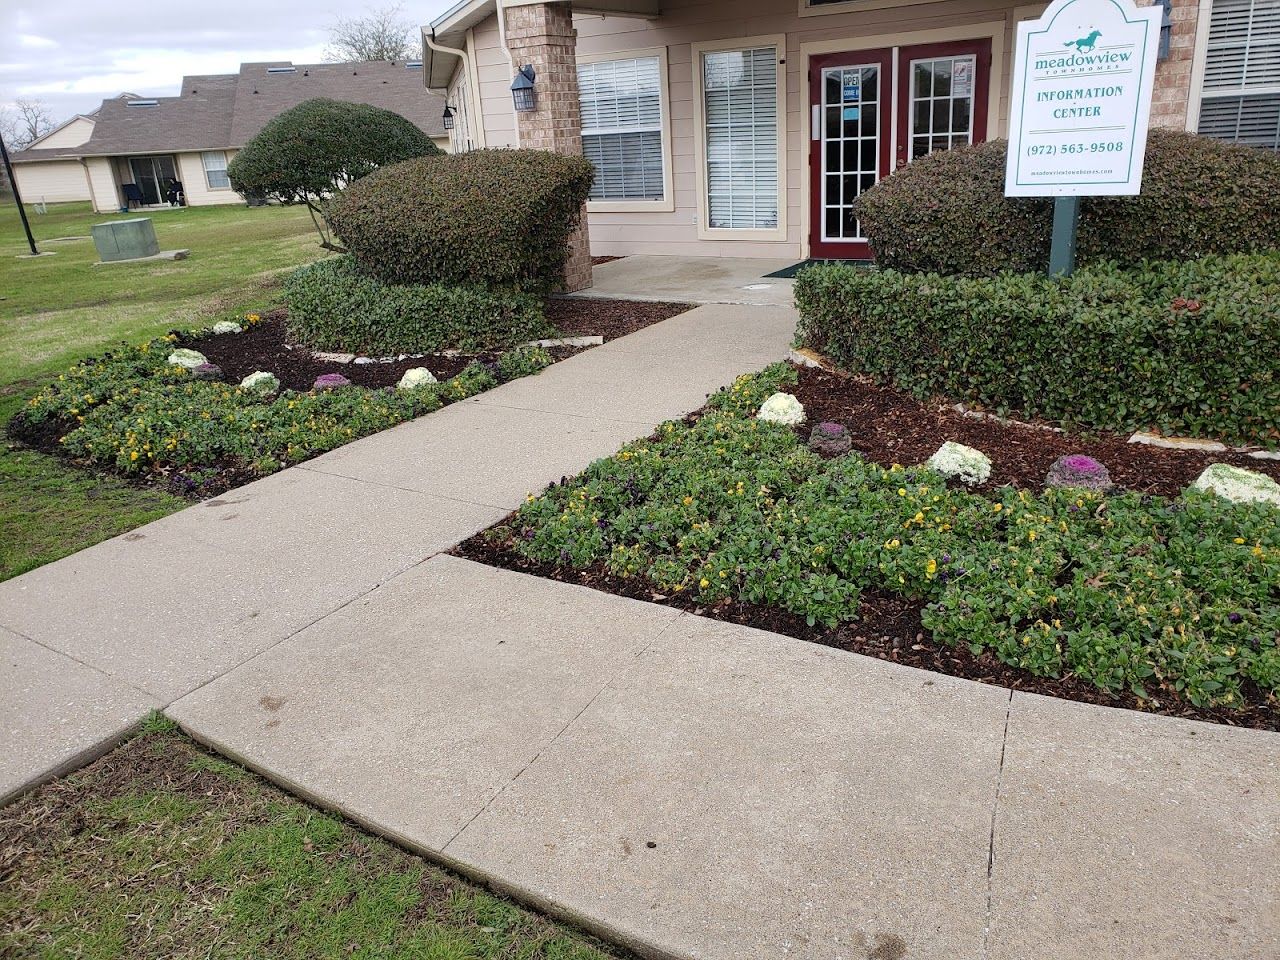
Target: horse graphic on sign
1084,44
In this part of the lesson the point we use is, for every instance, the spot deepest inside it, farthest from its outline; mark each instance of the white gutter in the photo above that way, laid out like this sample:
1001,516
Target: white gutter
430,40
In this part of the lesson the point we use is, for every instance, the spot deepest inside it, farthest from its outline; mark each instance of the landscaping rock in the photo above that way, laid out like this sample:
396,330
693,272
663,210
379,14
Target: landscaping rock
261,382
207,371
330,381
1238,485
183,357
1177,443
227,326
956,461
414,378
1078,470
830,439
782,408
333,357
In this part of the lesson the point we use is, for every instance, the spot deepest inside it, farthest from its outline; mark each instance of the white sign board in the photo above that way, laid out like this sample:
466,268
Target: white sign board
1081,104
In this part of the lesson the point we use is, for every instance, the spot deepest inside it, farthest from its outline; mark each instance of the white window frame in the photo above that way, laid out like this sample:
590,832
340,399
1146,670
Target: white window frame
1199,66
706,232
205,168
668,203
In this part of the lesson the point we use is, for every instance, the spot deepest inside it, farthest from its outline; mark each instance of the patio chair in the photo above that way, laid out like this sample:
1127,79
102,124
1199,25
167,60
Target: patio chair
132,195
176,196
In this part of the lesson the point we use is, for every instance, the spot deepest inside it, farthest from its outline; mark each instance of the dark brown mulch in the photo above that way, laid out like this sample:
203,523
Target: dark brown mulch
888,628
263,346
596,316
888,426
596,261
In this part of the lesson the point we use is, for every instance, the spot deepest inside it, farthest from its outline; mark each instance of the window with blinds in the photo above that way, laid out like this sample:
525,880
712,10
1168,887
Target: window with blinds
215,169
1240,99
621,102
740,113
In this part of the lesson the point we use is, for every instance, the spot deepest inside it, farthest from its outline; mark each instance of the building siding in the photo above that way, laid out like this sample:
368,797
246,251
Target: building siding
191,173
75,133
685,22
52,181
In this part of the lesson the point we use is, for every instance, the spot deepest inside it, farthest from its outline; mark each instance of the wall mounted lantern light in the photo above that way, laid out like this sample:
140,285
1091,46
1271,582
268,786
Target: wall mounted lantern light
448,117
1166,29
522,92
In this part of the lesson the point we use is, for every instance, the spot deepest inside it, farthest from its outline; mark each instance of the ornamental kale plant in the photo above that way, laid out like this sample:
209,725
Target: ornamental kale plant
1168,599
140,414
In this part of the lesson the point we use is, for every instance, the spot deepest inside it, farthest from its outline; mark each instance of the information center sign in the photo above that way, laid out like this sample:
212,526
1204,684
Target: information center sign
1081,103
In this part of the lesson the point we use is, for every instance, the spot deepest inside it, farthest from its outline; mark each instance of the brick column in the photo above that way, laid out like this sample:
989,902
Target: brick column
1170,97
542,34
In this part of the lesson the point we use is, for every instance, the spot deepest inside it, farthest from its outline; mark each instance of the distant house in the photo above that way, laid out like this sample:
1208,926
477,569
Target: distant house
148,143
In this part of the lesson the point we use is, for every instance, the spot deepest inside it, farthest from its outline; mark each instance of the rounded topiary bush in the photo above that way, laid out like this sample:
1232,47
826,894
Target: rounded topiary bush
947,212
309,152
498,218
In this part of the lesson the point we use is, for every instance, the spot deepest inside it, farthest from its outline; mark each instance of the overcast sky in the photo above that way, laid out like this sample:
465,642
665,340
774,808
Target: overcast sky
73,53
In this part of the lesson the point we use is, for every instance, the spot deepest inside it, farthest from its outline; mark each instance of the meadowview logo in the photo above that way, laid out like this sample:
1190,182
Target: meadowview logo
1109,58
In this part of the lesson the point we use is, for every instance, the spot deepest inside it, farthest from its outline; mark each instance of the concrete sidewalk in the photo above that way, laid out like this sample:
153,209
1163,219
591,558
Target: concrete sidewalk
93,641
695,789
701,790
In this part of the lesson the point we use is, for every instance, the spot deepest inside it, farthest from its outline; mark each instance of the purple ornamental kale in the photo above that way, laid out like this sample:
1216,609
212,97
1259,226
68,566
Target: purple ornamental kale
830,439
330,381
1078,470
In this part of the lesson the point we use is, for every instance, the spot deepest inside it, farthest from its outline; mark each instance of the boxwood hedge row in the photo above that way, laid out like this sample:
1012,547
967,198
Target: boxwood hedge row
1186,347
333,305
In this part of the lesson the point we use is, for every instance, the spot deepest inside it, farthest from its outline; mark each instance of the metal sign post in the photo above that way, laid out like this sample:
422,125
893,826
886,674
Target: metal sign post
17,197
1080,108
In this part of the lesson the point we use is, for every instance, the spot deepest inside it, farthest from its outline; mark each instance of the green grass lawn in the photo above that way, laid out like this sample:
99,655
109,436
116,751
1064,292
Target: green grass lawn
56,310
162,850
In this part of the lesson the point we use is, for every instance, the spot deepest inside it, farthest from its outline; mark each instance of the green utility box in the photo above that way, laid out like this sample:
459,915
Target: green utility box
125,239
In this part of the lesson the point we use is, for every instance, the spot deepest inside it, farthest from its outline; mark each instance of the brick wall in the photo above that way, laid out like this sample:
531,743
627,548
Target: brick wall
542,35
1172,93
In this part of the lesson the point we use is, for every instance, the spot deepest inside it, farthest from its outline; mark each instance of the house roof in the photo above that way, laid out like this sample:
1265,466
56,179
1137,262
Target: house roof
221,111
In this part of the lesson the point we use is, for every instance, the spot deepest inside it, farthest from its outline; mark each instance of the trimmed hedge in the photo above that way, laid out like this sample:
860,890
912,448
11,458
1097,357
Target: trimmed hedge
947,212
334,306
1189,348
498,218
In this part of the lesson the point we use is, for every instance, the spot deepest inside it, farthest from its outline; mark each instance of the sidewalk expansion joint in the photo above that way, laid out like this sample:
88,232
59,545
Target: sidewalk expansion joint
74,659
991,837
391,486
572,720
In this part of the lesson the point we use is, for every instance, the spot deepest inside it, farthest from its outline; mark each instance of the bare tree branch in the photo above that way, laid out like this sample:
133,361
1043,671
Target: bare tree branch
384,33
24,121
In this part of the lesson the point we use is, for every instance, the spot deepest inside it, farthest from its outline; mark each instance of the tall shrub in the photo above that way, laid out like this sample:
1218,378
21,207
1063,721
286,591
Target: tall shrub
498,218
313,150
1188,347
947,212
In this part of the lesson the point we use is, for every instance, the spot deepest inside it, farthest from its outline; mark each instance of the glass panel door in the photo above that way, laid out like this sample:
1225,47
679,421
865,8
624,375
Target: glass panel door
849,147
941,104
144,175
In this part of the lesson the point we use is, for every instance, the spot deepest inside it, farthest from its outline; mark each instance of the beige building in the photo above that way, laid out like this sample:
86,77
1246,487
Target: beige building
747,128
132,150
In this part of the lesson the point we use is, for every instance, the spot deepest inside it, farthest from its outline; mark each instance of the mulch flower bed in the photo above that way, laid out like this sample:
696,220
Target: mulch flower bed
596,316
889,426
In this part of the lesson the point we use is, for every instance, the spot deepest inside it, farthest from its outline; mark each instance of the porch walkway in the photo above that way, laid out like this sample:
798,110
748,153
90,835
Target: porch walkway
693,788
692,280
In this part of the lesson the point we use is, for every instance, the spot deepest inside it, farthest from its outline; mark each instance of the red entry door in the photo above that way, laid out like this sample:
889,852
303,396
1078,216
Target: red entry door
866,122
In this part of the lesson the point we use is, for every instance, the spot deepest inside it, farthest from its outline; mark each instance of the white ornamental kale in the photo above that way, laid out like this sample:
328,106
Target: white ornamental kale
182,357
261,382
227,326
414,378
1238,485
955,460
782,408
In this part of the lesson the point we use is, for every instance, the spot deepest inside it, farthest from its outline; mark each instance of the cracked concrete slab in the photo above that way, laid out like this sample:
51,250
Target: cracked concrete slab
56,713
737,794
1121,834
412,707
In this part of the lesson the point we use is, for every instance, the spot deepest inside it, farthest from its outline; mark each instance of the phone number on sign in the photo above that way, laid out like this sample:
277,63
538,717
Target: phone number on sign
1053,149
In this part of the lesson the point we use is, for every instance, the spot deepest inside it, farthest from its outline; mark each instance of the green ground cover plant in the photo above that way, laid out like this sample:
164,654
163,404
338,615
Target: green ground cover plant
334,305
55,310
163,850
947,212
135,412
1187,347
1173,600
